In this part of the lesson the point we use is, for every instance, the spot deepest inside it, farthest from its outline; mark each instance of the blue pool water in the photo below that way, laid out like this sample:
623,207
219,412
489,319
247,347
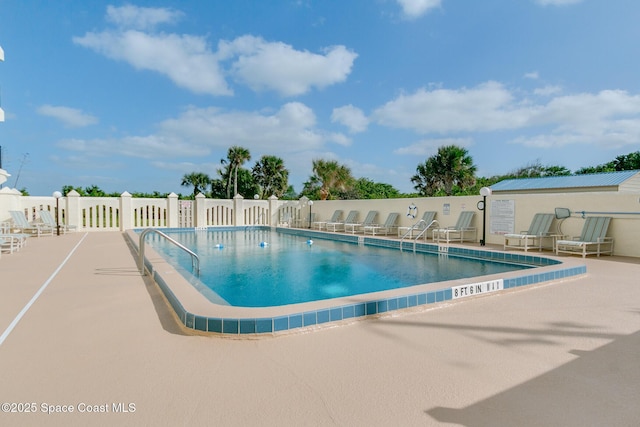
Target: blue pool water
263,268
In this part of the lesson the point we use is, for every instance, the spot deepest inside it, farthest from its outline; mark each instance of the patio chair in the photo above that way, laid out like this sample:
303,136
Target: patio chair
356,227
592,240
12,242
538,230
20,223
334,218
420,228
457,232
389,226
48,219
352,216
285,220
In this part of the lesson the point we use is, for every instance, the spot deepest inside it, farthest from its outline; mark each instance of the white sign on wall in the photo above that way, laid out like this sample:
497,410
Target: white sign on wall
502,217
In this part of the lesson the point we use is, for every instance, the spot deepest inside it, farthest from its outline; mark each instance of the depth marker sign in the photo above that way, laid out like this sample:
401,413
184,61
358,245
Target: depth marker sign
463,291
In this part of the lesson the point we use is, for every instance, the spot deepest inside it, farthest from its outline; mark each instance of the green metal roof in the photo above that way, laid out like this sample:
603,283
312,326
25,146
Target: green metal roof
607,179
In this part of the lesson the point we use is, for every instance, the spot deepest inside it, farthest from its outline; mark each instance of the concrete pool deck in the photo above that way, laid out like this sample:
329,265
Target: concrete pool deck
99,336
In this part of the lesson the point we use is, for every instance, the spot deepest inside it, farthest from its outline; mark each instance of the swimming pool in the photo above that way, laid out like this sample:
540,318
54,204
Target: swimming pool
196,312
264,268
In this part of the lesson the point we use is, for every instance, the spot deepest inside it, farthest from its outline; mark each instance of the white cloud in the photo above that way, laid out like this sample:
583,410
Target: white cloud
190,62
557,2
533,75
547,90
279,67
488,106
351,117
186,60
71,117
416,8
428,147
610,118
141,18
200,131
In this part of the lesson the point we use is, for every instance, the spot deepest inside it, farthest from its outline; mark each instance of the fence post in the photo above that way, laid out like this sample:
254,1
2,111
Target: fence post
238,210
273,211
73,215
172,210
126,222
200,218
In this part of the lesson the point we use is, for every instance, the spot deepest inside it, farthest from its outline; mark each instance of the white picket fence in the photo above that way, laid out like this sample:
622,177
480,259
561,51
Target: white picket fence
126,212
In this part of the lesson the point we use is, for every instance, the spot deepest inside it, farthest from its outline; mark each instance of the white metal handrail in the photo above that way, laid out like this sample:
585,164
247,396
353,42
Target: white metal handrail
195,260
413,227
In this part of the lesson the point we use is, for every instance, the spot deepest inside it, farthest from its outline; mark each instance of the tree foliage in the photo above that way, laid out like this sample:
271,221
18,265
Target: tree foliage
623,162
329,180
271,177
451,167
198,180
236,157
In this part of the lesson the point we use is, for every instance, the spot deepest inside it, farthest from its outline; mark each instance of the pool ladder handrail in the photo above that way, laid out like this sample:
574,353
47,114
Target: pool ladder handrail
410,231
195,260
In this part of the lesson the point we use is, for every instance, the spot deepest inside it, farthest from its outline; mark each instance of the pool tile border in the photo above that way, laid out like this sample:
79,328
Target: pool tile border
299,320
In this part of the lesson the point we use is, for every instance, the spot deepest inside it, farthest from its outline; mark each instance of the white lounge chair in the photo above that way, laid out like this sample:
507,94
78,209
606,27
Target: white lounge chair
592,240
352,216
285,220
12,242
20,223
322,224
388,227
48,219
420,228
356,227
538,230
457,232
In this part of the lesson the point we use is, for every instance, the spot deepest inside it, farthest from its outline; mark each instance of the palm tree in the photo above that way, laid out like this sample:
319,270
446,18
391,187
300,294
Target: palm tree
331,176
451,166
236,156
271,175
199,180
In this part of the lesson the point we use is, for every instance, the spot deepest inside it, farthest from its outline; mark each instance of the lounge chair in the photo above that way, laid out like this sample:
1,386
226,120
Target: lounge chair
48,219
20,223
421,228
592,240
285,220
388,227
457,232
334,218
352,216
12,242
355,227
538,230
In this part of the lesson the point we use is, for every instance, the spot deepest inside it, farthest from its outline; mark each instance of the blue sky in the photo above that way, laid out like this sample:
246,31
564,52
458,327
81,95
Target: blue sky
131,96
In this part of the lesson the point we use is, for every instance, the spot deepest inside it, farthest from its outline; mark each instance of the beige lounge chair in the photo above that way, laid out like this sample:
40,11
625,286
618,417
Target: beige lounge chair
20,223
538,230
388,227
351,218
592,240
322,224
420,228
356,227
457,232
